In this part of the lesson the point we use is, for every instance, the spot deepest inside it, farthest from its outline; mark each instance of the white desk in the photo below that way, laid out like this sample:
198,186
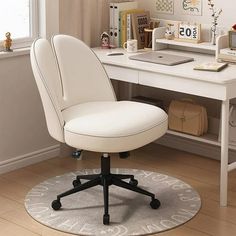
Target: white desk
182,78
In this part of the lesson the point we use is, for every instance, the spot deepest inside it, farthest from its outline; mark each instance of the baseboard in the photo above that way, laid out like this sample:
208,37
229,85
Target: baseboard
29,158
195,147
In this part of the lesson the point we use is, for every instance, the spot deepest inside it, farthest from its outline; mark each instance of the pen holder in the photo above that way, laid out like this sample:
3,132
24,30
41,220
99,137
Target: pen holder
148,34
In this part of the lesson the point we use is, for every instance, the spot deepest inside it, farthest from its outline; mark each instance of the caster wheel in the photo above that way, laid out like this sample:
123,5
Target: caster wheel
76,183
155,203
56,205
106,219
77,154
133,182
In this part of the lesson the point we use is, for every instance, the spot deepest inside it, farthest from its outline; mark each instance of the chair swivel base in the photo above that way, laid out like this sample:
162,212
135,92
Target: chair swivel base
105,179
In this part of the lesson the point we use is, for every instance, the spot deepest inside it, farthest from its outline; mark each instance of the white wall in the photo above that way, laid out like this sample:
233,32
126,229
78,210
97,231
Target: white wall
227,19
24,138
22,123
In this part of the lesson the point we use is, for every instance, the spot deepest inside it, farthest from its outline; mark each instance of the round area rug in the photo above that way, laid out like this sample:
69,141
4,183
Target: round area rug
130,212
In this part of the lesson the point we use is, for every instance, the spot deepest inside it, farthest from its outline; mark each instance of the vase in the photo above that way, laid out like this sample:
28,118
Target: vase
213,34
213,39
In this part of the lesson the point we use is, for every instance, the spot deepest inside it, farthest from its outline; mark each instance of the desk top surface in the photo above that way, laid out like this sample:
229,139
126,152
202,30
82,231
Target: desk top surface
228,75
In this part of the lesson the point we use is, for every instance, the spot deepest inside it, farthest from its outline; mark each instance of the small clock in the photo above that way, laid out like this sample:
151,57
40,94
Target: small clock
232,39
189,32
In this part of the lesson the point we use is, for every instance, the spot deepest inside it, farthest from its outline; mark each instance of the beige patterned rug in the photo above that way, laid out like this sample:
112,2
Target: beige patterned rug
130,213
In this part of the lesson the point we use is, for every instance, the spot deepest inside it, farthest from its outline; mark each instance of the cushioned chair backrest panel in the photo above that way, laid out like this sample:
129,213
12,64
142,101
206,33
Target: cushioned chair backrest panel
49,84
83,77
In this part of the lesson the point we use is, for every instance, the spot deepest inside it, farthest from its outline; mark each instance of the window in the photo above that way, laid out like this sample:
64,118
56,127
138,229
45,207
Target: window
20,18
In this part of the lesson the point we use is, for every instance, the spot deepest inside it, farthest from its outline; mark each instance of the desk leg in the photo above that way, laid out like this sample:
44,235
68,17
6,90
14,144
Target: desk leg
130,91
224,152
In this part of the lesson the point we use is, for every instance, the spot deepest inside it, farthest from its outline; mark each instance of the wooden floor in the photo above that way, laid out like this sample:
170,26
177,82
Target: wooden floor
201,173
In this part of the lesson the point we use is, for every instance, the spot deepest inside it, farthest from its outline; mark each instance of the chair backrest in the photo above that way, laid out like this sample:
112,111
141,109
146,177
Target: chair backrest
49,85
83,77
67,74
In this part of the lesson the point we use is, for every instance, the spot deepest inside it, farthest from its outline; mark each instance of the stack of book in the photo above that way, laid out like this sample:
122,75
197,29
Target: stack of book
127,21
228,55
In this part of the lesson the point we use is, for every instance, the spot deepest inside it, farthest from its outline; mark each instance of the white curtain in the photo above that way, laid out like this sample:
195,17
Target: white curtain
84,19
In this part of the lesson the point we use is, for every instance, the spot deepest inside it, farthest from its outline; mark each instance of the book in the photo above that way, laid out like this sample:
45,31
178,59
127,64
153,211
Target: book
115,9
227,58
140,21
211,66
111,25
124,15
228,51
129,27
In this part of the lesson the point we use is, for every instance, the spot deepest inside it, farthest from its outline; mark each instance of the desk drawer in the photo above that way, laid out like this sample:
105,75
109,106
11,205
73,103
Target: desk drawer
122,74
183,85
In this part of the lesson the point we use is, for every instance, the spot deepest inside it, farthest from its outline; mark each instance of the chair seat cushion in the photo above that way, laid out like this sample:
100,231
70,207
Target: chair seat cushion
113,126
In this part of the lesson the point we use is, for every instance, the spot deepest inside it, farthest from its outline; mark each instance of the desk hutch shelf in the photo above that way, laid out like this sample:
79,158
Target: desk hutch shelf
202,46
159,43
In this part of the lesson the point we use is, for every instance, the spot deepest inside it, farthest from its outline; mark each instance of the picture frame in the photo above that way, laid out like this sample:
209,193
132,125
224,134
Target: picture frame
165,7
232,39
189,32
192,7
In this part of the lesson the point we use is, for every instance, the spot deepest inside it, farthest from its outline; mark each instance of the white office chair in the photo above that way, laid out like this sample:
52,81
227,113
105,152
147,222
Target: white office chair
81,110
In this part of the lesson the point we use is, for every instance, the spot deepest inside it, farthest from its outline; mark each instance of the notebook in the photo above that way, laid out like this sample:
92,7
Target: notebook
161,58
211,66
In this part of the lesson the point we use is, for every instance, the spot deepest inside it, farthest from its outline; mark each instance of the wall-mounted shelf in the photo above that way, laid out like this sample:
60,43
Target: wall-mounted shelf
203,45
